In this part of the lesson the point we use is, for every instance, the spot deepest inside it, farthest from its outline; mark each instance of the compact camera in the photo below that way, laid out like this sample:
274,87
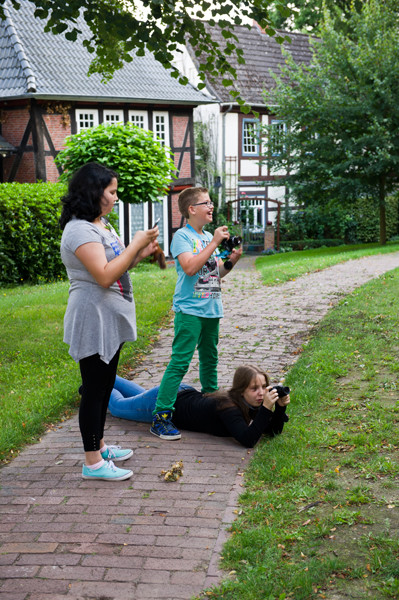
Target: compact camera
282,390
233,242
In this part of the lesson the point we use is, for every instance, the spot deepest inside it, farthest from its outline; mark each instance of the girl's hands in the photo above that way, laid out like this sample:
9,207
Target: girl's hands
284,401
271,397
142,239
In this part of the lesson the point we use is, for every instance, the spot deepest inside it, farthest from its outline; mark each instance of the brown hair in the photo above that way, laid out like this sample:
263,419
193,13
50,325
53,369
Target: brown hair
188,197
243,377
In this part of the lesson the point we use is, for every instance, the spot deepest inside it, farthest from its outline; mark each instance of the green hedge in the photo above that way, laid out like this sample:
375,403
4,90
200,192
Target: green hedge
367,216
29,232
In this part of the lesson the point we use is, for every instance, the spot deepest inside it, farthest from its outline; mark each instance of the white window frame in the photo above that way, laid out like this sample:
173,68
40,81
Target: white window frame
255,144
160,114
112,113
142,114
81,114
275,123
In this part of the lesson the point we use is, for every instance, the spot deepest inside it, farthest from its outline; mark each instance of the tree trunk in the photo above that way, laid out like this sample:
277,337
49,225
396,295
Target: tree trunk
383,221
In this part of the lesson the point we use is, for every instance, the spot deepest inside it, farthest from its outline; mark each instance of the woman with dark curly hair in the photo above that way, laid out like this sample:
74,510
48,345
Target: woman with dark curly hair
100,315
249,409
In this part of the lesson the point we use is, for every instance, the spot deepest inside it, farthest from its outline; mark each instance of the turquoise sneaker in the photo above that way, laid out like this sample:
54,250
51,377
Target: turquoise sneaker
108,472
116,453
163,427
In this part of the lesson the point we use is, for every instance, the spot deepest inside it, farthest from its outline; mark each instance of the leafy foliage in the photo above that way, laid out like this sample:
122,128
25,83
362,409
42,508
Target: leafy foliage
120,28
29,232
144,167
307,15
342,142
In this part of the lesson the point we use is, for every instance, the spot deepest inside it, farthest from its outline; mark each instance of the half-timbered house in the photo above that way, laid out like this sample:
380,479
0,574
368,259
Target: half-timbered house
46,95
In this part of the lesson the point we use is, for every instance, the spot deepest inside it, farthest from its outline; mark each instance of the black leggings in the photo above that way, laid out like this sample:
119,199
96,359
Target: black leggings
98,379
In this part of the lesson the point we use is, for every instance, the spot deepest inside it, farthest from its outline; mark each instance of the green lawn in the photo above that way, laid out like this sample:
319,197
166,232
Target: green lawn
319,516
38,378
277,268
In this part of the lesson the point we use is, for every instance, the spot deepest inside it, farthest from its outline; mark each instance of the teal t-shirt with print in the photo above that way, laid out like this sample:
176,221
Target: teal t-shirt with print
200,294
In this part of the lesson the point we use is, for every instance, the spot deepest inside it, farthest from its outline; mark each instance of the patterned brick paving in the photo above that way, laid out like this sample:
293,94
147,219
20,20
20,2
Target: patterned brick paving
61,536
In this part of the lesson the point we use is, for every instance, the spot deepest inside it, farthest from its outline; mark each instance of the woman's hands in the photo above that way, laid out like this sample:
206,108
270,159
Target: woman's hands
92,255
145,243
271,398
284,401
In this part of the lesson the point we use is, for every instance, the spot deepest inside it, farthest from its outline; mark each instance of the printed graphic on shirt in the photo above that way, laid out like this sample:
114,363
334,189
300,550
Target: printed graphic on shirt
123,283
208,282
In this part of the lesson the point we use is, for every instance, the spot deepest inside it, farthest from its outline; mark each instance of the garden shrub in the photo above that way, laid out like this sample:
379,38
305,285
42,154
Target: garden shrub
367,216
29,232
144,166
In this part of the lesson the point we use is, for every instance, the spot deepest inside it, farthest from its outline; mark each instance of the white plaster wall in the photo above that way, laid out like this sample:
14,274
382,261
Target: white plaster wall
277,193
249,168
231,134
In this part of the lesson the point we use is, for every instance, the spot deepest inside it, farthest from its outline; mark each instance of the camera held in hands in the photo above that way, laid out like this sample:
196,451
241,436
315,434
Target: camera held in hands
233,242
282,390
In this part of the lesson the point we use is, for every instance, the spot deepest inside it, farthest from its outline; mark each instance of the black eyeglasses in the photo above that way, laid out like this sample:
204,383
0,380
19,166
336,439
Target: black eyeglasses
207,203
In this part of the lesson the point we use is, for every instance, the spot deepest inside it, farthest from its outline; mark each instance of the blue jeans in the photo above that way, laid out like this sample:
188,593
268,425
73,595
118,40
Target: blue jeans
131,401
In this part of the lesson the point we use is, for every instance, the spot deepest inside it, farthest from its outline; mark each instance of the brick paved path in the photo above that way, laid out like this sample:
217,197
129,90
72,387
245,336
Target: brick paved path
61,536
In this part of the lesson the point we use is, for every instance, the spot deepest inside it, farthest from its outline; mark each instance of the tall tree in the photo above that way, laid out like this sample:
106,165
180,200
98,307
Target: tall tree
307,15
122,27
341,114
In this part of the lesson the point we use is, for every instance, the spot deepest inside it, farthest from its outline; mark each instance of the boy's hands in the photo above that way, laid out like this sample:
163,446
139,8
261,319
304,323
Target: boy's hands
220,234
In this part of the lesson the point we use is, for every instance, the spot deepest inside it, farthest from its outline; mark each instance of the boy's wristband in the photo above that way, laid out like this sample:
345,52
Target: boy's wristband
228,265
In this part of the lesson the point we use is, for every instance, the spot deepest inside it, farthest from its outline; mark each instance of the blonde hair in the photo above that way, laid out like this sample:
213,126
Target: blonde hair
189,197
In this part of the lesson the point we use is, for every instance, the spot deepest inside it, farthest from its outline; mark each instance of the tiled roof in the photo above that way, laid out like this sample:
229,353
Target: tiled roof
261,54
38,64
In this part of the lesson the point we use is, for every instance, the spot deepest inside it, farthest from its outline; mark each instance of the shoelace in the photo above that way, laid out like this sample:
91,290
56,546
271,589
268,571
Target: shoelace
110,465
111,451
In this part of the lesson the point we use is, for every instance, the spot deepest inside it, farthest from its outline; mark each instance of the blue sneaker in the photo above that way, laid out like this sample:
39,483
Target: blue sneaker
108,472
163,427
116,453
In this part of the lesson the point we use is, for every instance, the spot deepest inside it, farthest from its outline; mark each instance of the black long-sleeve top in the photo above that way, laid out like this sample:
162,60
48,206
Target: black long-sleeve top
195,412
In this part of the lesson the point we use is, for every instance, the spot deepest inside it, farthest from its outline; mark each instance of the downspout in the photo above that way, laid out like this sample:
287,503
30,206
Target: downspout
224,151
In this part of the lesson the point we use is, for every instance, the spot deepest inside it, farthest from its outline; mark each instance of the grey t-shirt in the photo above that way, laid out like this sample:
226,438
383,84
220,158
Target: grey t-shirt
97,320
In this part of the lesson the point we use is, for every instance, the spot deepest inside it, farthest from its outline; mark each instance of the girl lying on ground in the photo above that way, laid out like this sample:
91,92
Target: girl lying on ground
250,408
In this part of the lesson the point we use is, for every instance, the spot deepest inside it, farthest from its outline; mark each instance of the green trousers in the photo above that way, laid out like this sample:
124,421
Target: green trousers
190,332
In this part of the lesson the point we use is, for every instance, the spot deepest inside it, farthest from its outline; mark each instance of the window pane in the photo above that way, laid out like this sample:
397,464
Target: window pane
160,129
250,142
136,218
137,120
277,137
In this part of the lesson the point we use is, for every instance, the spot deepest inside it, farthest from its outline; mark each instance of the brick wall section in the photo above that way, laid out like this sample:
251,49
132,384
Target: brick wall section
179,129
14,124
185,168
269,237
58,131
26,172
176,216
180,124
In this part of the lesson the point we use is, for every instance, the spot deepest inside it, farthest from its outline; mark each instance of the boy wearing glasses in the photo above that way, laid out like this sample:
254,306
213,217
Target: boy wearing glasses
197,304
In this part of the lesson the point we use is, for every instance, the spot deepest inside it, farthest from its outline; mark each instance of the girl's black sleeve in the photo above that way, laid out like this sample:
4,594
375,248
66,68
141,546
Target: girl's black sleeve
247,435
278,420
265,422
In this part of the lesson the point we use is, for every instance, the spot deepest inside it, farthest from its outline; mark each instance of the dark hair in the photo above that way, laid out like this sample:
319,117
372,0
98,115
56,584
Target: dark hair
85,190
243,377
188,197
